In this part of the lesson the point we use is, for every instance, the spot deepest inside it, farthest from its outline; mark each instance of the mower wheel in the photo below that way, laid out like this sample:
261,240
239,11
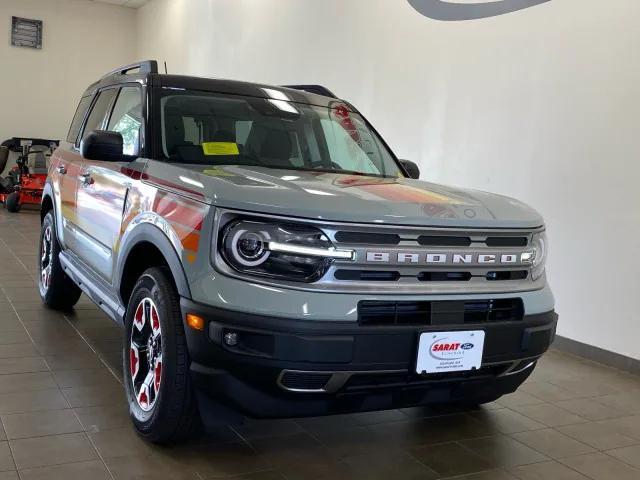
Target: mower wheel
13,202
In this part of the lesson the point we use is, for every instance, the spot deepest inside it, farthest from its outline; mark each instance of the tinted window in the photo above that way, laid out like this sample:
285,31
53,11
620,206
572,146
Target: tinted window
212,129
127,119
76,123
99,111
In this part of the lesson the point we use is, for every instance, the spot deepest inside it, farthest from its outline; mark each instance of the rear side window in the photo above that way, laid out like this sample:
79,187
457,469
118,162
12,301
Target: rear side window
127,119
76,123
99,111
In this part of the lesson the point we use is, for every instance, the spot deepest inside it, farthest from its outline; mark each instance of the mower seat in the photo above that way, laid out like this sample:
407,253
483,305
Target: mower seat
6,184
4,156
39,164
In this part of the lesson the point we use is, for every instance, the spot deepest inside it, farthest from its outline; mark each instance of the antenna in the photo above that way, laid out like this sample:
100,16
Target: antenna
165,66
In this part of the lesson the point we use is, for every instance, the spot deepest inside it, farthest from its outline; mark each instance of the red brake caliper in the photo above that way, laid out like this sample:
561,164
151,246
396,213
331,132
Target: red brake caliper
155,323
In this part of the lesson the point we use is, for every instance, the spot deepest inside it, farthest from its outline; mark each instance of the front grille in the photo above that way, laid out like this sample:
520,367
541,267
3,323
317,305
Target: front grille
430,260
444,276
367,275
444,312
443,241
431,276
416,260
373,238
507,275
368,238
506,241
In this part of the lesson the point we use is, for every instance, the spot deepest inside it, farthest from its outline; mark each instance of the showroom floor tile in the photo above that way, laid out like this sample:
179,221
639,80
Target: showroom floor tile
63,413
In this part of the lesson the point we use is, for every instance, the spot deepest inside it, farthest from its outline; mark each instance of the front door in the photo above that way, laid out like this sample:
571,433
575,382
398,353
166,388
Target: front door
65,166
103,189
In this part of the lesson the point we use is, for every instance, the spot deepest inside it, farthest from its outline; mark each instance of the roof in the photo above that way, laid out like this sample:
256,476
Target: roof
148,74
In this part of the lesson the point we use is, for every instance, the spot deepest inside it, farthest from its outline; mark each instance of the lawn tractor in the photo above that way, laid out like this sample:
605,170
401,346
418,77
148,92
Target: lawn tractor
24,182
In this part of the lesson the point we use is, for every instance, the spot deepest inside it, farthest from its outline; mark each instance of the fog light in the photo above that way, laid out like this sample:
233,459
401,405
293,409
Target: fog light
195,322
231,339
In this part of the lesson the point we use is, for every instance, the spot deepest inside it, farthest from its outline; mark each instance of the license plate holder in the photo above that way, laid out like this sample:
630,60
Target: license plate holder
454,351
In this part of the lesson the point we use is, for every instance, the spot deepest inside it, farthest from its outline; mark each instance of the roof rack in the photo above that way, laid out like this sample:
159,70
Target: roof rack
145,66
317,89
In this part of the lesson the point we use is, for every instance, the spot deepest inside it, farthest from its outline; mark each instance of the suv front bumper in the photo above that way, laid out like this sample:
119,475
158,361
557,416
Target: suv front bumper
282,367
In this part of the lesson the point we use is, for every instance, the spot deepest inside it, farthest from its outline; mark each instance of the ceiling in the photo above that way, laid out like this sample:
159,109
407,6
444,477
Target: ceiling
124,3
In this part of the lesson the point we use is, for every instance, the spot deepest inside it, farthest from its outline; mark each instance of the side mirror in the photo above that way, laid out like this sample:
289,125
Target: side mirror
411,168
102,145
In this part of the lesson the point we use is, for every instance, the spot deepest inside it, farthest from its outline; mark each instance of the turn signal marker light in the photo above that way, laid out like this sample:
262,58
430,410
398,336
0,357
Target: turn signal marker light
195,322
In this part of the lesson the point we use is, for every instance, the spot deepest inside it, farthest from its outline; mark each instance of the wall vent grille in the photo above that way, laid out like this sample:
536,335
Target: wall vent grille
26,32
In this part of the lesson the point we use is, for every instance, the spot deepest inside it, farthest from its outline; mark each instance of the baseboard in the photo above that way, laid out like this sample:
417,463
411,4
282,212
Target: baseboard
596,354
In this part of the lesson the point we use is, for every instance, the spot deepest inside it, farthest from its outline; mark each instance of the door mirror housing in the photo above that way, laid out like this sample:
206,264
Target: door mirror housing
410,168
103,145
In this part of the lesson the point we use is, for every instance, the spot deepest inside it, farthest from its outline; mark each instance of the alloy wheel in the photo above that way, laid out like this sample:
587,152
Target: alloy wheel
145,354
46,257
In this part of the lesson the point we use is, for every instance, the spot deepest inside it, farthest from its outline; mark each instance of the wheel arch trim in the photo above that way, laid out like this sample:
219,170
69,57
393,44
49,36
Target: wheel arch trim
48,193
153,229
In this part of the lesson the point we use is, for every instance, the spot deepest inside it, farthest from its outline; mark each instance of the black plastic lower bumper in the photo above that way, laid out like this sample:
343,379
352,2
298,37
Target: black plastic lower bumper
282,367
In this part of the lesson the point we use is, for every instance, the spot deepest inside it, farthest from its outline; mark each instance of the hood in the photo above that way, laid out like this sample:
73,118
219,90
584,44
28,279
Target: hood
344,197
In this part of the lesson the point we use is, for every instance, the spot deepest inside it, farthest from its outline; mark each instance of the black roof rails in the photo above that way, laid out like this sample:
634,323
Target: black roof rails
145,66
317,89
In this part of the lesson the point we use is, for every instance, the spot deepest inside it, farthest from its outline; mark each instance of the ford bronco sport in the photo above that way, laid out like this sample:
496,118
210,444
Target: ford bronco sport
267,254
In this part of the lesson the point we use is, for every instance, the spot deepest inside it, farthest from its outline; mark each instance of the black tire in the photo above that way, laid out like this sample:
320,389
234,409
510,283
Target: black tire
171,413
13,202
58,291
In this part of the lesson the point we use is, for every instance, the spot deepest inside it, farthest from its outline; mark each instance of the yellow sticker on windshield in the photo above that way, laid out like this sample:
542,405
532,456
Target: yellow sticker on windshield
220,148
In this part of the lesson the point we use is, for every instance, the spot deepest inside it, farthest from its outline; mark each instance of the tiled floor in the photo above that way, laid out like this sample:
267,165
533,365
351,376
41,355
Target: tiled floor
63,413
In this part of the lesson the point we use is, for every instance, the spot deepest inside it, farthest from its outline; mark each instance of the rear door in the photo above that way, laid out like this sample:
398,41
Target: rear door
102,185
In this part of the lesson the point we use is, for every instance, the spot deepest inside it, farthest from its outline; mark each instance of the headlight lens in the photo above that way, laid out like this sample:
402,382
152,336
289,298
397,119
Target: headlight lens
286,251
540,246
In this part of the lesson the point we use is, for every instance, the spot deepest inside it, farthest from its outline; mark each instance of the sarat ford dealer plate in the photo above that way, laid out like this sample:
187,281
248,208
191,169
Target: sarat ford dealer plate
441,352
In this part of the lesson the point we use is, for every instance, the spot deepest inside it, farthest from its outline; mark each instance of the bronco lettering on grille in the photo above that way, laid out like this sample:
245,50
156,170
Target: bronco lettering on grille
444,258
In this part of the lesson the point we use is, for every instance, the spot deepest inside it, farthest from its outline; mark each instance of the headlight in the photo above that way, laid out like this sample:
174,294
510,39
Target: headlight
539,246
286,251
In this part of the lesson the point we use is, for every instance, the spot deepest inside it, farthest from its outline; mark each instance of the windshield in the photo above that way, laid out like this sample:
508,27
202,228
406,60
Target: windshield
213,129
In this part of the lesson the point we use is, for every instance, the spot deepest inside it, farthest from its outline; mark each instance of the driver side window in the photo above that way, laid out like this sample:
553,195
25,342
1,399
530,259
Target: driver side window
98,112
126,119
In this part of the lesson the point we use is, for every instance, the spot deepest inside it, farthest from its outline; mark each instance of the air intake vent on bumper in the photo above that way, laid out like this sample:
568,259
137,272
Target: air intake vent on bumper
304,381
446,312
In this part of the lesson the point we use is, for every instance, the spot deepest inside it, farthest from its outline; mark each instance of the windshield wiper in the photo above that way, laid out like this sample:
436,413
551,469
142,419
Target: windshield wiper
337,170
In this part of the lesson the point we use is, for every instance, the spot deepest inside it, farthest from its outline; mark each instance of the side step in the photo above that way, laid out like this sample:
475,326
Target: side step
98,291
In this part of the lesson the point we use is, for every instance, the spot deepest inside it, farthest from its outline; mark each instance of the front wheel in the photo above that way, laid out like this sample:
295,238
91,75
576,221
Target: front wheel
56,289
161,400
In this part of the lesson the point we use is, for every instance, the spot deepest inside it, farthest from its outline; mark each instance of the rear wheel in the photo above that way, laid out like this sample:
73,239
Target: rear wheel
13,202
57,290
162,404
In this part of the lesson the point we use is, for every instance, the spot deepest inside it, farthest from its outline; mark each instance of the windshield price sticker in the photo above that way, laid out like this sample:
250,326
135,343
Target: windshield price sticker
220,148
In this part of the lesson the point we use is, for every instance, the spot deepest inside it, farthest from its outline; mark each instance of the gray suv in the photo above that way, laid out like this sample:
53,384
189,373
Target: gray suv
267,255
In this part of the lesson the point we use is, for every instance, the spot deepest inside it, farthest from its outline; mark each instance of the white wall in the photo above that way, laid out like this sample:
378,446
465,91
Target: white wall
40,89
541,104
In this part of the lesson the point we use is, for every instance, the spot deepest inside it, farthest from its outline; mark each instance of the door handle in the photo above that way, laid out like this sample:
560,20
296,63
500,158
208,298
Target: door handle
86,179
62,170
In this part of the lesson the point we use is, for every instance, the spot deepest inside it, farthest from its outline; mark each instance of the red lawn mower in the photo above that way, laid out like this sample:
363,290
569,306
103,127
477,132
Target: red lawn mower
24,183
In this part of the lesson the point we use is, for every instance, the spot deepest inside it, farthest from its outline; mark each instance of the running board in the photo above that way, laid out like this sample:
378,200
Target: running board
98,291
